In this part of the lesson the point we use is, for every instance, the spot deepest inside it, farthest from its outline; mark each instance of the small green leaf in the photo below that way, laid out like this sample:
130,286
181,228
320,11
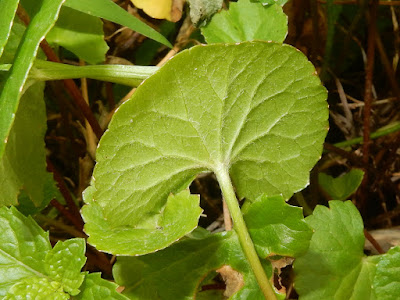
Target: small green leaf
176,272
342,187
81,34
334,260
335,266
108,10
64,263
23,247
7,12
144,238
94,287
387,277
256,108
36,288
23,165
40,25
277,228
247,21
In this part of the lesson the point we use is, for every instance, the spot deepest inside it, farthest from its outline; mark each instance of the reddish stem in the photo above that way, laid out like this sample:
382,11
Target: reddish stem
374,243
73,208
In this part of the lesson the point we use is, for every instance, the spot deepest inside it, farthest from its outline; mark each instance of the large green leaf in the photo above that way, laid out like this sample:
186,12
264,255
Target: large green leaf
39,26
7,12
108,10
23,247
23,165
30,268
176,272
277,227
335,266
94,287
246,21
256,109
81,34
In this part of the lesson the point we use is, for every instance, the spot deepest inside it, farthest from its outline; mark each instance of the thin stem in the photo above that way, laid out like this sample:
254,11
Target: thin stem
380,132
244,237
122,74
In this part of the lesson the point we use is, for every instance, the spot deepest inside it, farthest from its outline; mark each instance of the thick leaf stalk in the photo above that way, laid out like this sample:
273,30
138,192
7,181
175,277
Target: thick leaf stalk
244,237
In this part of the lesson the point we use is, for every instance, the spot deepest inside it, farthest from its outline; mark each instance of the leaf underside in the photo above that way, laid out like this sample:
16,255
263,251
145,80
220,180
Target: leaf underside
256,109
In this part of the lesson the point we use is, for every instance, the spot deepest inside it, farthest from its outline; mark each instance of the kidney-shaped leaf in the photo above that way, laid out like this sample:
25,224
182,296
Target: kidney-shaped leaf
256,109
246,21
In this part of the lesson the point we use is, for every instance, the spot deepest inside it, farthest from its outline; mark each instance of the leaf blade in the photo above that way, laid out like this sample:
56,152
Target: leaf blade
7,13
203,127
40,25
110,11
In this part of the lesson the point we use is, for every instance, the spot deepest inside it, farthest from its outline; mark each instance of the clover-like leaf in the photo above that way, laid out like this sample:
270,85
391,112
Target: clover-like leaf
247,21
335,266
177,271
64,263
277,227
340,188
256,109
23,247
36,288
94,287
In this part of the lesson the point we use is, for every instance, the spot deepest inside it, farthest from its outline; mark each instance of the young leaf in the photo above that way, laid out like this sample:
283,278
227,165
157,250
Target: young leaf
23,247
40,25
263,117
23,165
177,271
246,21
335,266
108,10
7,12
277,227
81,34
36,288
64,263
94,287
342,187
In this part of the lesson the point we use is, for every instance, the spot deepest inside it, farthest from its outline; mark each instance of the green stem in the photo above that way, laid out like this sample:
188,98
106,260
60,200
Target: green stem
244,237
380,132
122,74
